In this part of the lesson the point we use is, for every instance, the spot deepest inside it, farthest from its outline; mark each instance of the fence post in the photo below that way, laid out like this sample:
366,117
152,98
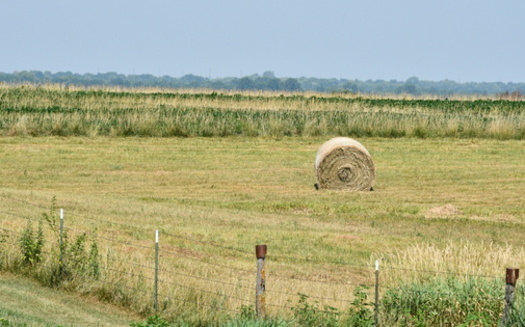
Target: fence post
376,302
511,277
156,286
61,239
260,299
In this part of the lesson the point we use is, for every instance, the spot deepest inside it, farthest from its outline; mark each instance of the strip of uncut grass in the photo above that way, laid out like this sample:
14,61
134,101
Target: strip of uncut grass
239,192
43,111
460,280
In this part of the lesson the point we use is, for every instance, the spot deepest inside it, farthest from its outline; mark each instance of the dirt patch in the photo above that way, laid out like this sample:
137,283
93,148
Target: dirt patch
348,237
446,211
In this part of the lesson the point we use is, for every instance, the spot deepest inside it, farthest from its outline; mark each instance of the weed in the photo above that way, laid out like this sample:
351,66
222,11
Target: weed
360,313
153,321
31,245
310,314
449,302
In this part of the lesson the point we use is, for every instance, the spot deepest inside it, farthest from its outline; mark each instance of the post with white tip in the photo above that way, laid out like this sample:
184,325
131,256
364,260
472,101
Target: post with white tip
156,287
376,302
61,239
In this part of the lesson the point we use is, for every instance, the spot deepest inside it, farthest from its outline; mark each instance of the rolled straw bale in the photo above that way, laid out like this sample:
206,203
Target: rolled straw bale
343,163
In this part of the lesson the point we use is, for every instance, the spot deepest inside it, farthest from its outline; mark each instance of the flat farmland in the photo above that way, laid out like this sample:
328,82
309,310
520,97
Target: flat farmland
240,192
440,203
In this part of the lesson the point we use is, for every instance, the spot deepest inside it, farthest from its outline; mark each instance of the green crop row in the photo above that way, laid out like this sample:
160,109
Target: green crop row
212,122
38,111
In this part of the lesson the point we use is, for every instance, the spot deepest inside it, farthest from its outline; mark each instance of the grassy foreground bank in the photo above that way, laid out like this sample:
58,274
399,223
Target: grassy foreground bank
25,303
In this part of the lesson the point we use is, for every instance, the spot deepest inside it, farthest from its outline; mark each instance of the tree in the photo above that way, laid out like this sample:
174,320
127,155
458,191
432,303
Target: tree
291,84
245,83
268,74
349,86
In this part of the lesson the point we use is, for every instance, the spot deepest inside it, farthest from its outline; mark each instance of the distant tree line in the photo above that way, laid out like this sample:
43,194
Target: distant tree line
269,82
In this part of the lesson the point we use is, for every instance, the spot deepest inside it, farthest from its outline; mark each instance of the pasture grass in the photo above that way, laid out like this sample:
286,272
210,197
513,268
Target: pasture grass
214,199
218,173
25,303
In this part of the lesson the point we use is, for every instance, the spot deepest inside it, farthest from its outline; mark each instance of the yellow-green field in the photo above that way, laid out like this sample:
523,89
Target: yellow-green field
439,204
239,192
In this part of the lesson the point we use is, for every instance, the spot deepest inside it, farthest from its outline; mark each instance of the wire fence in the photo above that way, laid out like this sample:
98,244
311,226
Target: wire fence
220,279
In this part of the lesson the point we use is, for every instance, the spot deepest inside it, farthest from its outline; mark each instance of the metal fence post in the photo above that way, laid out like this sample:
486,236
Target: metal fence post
376,303
156,286
61,241
260,299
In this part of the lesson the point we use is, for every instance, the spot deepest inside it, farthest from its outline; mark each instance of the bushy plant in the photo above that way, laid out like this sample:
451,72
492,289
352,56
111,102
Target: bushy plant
443,302
360,313
153,321
31,245
310,314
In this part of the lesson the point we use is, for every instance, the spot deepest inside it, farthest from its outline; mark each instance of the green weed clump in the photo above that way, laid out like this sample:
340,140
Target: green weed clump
444,302
64,262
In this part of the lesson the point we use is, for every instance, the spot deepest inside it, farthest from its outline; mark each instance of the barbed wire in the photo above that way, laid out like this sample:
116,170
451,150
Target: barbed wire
334,312
109,239
269,274
206,262
112,283
291,257
4,195
203,291
194,302
176,273
204,278
129,273
278,258
164,233
18,216
448,294
310,296
439,272
309,260
241,251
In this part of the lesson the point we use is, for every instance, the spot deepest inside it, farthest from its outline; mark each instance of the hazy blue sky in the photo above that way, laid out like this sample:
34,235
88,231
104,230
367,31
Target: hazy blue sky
461,40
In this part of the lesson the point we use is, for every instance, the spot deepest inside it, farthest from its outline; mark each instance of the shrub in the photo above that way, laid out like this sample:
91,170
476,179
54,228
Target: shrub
31,245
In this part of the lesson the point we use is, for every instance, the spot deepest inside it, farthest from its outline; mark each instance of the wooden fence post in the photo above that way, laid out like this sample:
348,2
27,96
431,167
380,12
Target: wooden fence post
260,299
511,277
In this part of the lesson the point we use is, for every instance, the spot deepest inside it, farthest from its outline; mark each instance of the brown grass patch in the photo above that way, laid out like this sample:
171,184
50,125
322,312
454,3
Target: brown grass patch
446,211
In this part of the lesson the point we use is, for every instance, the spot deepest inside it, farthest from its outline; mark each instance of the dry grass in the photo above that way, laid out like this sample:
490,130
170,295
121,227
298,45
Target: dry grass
424,262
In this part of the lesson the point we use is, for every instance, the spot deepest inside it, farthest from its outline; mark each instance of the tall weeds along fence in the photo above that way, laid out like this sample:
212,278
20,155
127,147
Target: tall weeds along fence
178,277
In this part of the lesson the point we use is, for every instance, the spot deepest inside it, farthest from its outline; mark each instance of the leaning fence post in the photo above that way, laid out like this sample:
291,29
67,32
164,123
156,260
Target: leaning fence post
511,277
376,303
260,253
156,283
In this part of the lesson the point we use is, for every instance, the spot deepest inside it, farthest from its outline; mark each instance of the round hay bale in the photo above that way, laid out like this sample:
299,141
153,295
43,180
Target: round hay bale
343,163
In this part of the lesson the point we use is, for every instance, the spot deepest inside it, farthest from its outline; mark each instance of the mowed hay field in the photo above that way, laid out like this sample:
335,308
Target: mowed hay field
214,198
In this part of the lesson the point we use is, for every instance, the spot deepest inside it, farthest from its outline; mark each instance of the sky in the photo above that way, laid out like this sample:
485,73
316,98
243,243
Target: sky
459,40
